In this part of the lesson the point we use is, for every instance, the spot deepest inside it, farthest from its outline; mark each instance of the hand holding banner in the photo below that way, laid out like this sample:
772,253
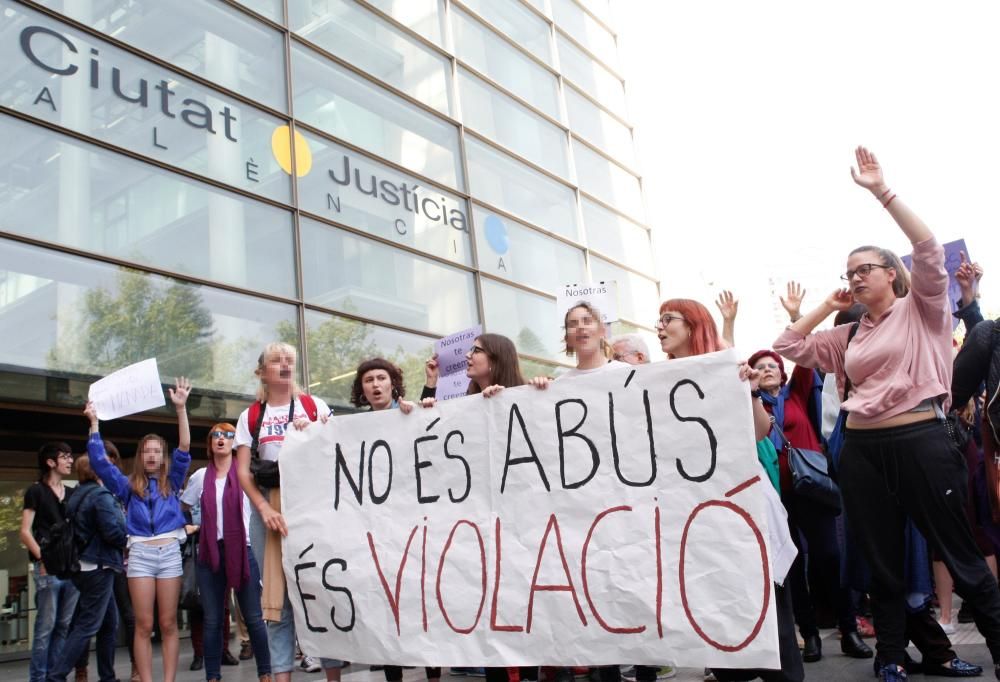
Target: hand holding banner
618,516
129,390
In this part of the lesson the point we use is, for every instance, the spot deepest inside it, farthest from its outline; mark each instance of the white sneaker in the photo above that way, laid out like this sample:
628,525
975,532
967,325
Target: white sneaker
310,664
949,628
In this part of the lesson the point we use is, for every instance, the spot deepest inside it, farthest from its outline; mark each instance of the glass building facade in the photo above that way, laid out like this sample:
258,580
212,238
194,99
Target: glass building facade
191,180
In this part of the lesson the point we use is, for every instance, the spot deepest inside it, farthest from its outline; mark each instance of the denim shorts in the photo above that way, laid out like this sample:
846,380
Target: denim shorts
154,561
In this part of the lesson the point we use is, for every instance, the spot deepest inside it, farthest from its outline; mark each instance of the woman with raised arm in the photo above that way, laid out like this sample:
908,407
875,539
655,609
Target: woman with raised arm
281,405
155,526
898,458
686,329
795,403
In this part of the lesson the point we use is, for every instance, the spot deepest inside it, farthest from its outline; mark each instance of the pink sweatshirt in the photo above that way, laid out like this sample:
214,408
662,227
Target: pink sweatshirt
897,362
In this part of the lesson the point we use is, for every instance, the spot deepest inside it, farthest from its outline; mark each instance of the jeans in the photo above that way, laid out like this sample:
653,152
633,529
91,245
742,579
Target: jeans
96,614
55,601
214,592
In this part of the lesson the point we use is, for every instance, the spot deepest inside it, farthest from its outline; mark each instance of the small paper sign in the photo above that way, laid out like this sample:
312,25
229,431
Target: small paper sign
132,389
602,295
451,352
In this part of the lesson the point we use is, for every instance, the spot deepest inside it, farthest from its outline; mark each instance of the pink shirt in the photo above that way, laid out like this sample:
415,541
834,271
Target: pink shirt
898,361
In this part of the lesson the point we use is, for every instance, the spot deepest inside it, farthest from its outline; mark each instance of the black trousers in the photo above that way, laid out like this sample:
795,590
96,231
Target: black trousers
926,634
788,649
915,470
814,531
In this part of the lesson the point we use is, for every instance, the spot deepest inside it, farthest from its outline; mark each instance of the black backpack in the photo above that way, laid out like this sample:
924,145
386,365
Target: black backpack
61,547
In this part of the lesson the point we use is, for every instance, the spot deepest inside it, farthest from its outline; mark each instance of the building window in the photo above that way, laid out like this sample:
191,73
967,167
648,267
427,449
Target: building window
348,273
511,186
58,189
368,42
355,190
351,108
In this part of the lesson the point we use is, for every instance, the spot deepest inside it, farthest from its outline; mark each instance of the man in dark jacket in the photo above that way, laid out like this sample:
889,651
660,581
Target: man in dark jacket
99,526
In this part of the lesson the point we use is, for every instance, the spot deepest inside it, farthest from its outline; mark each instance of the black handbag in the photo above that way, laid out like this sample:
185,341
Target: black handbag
811,475
189,598
265,471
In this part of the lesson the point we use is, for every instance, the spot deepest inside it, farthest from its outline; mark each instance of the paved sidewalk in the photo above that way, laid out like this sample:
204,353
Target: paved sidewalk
835,667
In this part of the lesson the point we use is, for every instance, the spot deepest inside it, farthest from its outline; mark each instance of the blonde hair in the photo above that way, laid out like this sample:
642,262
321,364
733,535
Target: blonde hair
596,314
270,350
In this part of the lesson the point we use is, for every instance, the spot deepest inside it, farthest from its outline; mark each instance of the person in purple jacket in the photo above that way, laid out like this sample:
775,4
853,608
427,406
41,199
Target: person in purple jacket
155,525
898,459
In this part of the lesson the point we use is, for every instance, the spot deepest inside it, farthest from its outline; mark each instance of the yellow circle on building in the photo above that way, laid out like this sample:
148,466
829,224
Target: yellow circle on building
282,151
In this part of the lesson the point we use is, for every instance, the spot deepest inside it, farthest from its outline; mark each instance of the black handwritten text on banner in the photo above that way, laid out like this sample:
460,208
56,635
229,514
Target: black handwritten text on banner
614,517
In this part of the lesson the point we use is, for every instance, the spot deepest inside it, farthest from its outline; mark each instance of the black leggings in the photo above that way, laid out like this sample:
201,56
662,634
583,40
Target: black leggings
916,471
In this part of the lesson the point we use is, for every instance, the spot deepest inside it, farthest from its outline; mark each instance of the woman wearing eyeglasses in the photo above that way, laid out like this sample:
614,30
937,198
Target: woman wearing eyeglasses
155,526
796,403
898,458
686,329
224,558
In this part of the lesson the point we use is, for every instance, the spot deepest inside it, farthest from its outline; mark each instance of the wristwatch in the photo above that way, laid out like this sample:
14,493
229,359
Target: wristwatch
755,393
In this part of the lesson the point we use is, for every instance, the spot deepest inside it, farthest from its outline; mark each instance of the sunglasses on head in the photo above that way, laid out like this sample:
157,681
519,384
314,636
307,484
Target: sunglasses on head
222,434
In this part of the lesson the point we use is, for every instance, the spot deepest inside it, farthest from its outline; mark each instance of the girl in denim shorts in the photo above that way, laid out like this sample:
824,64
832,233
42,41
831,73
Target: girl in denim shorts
155,525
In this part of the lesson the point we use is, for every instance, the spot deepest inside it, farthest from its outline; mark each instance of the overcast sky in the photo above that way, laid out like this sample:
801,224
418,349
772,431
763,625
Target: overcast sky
747,116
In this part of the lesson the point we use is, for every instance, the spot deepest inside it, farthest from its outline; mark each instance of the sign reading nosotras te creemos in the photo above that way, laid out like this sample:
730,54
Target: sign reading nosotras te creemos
617,516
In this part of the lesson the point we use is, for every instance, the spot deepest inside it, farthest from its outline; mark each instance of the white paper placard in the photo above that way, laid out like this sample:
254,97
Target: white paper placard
129,390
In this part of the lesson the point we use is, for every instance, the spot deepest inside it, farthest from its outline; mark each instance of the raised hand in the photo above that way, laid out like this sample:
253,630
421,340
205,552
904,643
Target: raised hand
869,173
968,276
90,412
180,392
431,372
840,299
728,305
792,300
750,375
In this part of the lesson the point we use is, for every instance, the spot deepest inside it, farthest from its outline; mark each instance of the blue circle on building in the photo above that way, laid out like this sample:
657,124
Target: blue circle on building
496,235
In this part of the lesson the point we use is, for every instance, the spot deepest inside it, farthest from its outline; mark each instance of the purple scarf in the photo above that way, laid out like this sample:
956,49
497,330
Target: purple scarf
233,532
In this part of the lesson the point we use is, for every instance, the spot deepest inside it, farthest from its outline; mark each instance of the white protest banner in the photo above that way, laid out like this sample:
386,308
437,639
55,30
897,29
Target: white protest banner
451,351
129,390
603,296
612,517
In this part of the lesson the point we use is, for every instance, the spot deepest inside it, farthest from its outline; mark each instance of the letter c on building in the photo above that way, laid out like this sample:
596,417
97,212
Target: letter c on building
29,32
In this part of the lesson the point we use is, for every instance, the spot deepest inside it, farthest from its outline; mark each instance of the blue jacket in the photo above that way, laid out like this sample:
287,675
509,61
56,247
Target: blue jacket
146,516
99,522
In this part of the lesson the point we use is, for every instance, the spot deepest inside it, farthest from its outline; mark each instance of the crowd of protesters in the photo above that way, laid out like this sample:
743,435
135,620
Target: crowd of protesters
907,418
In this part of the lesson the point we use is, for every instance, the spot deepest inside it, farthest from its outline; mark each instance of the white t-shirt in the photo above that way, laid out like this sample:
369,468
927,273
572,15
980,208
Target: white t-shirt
272,427
192,498
613,364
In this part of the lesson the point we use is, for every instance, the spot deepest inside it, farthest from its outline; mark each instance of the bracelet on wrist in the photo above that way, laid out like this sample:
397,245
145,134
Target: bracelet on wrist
755,393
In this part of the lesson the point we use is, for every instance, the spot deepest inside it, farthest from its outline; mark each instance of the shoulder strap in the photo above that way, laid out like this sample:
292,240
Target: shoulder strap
255,418
781,433
309,405
847,379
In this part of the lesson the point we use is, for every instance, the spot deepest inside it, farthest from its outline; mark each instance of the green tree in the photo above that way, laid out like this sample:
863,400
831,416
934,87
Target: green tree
142,318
